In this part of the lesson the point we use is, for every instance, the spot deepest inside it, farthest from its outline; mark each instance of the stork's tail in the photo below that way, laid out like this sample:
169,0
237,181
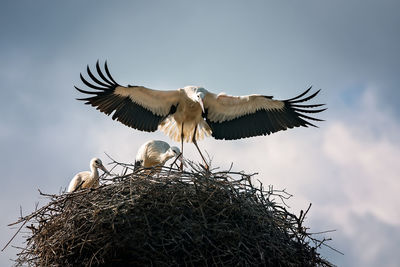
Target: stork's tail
173,129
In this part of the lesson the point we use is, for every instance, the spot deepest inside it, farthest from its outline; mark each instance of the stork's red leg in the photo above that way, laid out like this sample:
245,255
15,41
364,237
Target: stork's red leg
198,149
182,146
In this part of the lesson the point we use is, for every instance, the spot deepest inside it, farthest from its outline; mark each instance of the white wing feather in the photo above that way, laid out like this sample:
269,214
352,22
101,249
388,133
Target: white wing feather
224,107
157,101
75,182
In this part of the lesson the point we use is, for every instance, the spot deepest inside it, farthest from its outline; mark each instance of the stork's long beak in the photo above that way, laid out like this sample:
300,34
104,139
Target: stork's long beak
181,159
201,104
104,169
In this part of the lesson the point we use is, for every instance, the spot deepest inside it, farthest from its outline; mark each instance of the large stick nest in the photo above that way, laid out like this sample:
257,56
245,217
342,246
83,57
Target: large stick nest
190,218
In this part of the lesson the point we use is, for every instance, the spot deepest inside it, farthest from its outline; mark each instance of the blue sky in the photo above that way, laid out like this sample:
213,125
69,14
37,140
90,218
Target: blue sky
348,168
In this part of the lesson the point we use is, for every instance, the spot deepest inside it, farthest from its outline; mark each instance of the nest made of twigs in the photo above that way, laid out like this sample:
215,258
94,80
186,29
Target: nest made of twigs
174,218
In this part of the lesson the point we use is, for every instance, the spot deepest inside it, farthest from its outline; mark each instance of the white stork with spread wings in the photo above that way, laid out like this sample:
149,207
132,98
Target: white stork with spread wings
190,113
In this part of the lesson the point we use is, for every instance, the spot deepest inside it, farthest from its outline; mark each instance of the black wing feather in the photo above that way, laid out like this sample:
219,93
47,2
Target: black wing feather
125,110
101,73
95,79
88,84
265,122
108,73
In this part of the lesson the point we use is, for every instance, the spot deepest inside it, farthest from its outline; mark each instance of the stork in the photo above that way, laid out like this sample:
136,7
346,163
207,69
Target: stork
190,113
155,153
87,179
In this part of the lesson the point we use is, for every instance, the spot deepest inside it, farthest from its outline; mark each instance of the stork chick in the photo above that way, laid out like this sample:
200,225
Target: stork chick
155,153
87,179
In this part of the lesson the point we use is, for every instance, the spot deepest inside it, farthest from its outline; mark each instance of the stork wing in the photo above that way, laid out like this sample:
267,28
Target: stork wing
135,106
75,183
235,117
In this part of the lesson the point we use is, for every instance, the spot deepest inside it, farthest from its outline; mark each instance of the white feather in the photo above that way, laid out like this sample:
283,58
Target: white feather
224,107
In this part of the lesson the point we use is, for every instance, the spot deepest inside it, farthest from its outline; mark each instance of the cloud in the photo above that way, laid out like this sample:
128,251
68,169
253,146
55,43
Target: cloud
367,169
372,242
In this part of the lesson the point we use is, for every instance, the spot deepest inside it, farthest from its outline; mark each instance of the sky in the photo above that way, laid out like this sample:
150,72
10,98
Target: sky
348,168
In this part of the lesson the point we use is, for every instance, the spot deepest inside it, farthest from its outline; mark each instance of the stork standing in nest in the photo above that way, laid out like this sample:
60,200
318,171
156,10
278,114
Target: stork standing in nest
155,153
87,179
190,113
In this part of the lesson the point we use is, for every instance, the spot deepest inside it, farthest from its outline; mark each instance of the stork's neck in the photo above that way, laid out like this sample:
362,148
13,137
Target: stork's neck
189,95
95,171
